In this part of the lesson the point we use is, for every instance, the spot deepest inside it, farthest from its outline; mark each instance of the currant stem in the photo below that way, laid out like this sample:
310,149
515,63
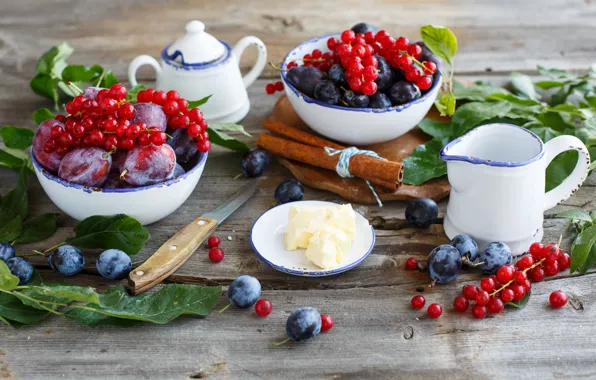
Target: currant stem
282,342
513,280
276,67
103,74
50,249
225,307
123,174
70,84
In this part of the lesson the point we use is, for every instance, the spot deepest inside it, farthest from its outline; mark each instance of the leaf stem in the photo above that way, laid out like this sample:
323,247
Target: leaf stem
50,249
103,74
5,321
21,295
70,84
225,307
277,344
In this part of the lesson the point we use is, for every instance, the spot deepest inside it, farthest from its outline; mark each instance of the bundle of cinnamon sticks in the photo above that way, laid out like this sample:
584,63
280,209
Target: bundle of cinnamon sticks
301,146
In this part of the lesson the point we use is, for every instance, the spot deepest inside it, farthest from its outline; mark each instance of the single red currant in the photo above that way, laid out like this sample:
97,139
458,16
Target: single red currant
61,118
213,241
355,83
536,250
520,277
56,131
527,285
434,310
507,295
470,291
182,105
216,254
369,88
347,36
371,60
65,139
461,304
159,97
170,107
279,86
564,261
525,262
117,92
50,146
172,95
429,67
404,62
97,137
144,139
479,311
126,143
424,82
482,297
326,322
558,299
110,142
412,74
495,305
121,130
418,302
263,307
402,43
411,263
414,50
487,284
370,73
270,88
158,138
126,111
551,268
519,291
537,274
550,248
203,146
505,273
332,42
381,35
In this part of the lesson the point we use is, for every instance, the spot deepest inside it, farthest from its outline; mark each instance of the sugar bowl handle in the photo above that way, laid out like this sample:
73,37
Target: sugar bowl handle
553,148
139,61
257,69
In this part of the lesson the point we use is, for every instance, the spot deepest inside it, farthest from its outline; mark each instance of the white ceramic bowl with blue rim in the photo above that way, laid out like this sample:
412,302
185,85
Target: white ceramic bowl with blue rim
147,204
267,238
355,126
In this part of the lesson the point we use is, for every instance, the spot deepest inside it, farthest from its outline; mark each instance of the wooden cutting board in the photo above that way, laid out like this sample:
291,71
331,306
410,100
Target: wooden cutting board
355,189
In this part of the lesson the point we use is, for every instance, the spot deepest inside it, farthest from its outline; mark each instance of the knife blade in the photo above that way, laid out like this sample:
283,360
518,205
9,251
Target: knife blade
174,252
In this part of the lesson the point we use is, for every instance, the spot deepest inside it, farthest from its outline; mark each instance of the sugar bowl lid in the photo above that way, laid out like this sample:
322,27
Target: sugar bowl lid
196,47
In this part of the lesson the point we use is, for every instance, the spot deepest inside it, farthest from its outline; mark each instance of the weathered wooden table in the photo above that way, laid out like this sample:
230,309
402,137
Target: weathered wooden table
377,335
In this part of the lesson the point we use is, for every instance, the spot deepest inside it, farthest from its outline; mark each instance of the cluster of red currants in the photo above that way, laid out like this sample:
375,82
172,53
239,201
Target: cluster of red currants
512,282
271,88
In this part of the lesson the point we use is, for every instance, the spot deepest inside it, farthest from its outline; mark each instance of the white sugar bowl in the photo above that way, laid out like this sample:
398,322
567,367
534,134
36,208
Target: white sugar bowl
198,65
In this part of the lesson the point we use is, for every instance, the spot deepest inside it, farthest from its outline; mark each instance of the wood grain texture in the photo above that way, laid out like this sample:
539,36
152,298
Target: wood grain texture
377,335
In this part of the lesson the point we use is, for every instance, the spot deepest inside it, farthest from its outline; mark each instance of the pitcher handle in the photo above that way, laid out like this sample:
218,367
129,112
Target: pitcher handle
137,63
570,185
257,69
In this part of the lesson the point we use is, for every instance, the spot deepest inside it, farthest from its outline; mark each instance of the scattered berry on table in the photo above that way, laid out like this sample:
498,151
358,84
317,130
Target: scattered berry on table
558,299
213,241
289,191
303,324
411,263
20,268
216,254
418,302
444,263
461,304
326,322
422,212
263,307
254,162
114,264
434,310
244,291
6,251
67,260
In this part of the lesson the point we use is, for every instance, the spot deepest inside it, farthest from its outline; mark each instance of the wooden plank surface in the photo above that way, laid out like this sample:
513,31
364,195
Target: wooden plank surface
377,335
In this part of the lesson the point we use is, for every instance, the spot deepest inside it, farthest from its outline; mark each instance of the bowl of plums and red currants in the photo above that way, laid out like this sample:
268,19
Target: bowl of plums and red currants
361,86
113,153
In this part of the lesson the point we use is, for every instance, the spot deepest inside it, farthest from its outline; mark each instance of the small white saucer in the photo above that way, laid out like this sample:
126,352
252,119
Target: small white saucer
267,238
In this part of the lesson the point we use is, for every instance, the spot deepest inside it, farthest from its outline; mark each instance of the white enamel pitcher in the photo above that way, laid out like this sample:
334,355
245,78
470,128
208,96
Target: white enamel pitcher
497,176
199,65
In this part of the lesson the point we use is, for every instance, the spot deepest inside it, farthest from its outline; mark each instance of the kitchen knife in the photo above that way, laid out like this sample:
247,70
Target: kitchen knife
170,256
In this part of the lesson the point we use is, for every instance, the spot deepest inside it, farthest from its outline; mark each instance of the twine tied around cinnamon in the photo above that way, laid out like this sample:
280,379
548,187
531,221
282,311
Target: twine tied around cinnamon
343,163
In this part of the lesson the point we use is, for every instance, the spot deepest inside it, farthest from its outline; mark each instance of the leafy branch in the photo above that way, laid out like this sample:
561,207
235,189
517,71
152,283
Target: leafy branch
583,232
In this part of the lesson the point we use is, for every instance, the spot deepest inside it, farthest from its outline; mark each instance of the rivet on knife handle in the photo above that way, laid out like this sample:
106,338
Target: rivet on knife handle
170,256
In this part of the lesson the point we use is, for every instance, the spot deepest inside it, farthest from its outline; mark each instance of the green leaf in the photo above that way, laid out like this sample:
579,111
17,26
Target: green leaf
38,228
554,120
10,160
160,307
560,96
14,310
53,57
108,80
81,73
42,114
425,163
16,201
548,84
545,133
472,114
521,303
227,141
7,280
436,128
560,168
46,86
62,293
446,104
440,41
590,261
555,73
582,246
523,86
197,103
477,93
229,127
131,94
11,228
118,232
16,138
576,215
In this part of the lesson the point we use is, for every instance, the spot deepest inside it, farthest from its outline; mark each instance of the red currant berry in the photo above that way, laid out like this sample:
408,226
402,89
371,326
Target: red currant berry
359,51
145,139
371,60
402,43
479,311
97,137
70,108
527,285
263,307
62,150
88,122
411,263
110,142
159,97
564,261
434,310
50,146
126,111
279,86
117,92
424,83
344,50
507,295
558,299
520,277
216,254
326,322
536,249
518,291
316,54
347,36
429,67
355,83
470,291
487,284
495,305
158,138
332,43
381,34
537,274
78,102
194,130
170,107
182,105
213,241
203,146
418,302
461,303
121,130
551,268
369,88
61,118
482,297
65,139
292,64
404,62
270,88
525,262
370,73
56,131
369,37
143,97
550,248
134,131
172,95
505,273
126,143
195,115
414,50
412,74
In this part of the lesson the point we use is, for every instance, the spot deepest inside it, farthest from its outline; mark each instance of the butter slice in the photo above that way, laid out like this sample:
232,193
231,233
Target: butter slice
344,218
303,221
327,247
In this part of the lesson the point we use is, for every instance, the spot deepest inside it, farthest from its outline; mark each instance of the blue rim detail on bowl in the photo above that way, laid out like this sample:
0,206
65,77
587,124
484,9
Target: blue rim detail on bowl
479,161
170,59
88,189
435,87
320,273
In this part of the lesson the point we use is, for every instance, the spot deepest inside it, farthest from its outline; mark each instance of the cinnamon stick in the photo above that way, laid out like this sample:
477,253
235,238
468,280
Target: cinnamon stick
388,174
298,135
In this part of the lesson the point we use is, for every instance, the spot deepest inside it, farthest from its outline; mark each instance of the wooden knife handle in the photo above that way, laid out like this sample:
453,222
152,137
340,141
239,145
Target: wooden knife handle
170,256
